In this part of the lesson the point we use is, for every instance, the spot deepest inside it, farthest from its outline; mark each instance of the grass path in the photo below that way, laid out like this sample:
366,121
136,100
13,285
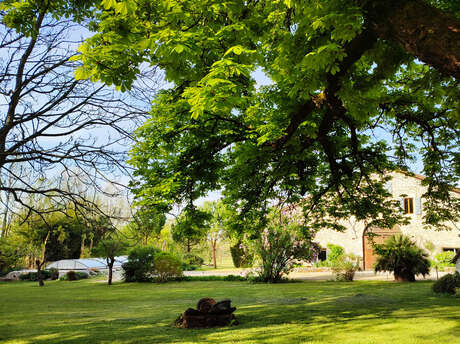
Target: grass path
306,312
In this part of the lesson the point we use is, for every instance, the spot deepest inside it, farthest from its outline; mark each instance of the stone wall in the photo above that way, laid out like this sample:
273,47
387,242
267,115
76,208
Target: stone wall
400,186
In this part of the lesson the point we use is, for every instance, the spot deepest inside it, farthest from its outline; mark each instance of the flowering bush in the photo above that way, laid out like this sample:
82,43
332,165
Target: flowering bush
279,247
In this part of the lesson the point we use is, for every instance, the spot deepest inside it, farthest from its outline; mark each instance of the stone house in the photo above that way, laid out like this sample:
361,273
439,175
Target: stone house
354,240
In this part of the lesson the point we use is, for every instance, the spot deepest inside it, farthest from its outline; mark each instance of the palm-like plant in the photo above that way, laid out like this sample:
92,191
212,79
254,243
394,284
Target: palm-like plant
401,256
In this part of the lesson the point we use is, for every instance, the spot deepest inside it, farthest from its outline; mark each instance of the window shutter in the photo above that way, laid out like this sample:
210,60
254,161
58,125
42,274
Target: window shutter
418,206
401,202
389,187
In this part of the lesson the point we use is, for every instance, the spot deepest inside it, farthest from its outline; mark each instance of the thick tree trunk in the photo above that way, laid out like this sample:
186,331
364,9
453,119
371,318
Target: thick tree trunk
39,273
431,35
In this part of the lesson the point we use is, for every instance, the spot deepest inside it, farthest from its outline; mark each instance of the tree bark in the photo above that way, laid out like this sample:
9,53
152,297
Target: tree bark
214,246
431,35
112,261
39,273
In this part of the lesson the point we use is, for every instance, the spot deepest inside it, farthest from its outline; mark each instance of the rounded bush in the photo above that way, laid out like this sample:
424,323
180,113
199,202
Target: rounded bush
140,264
167,267
447,284
71,275
192,259
54,273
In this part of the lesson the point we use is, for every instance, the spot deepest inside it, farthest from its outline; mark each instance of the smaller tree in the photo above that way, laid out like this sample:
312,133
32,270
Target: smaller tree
191,227
402,257
280,246
110,248
220,216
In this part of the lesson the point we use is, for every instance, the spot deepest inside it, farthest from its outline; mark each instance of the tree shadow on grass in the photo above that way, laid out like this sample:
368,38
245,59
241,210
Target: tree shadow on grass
267,314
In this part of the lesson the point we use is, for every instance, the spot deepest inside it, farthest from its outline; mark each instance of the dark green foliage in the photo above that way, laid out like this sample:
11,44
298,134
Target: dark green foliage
82,275
32,276
140,264
71,275
54,273
241,256
447,284
402,257
166,267
74,276
229,278
191,261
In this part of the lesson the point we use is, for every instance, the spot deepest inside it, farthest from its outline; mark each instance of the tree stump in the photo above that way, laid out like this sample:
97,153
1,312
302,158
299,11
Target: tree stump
209,313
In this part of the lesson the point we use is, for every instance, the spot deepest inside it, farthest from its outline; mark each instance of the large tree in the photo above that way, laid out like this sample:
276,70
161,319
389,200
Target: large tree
52,124
357,89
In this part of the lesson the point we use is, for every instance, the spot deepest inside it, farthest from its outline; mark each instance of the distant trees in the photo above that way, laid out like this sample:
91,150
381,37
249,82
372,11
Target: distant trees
146,223
191,228
218,223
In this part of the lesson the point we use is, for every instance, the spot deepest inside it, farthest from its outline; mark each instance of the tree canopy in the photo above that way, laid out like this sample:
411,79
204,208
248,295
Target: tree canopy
358,88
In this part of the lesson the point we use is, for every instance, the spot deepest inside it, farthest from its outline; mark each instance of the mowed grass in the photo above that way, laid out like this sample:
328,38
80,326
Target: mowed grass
307,312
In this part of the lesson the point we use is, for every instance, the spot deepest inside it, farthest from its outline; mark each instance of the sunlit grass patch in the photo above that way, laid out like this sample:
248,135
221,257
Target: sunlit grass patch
308,312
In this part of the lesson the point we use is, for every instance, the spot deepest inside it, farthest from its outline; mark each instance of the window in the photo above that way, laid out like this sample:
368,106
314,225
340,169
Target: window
322,255
408,205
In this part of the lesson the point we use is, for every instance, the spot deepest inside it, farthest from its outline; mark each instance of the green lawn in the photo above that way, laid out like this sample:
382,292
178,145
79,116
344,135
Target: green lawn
308,312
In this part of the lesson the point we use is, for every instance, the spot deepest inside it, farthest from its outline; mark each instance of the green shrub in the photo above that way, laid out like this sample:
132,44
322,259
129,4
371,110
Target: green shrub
279,247
447,284
228,278
82,275
71,275
193,259
33,276
191,262
74,276
140,264
241,256
344,267
234,278
336,252
54,273
166,267
401,256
